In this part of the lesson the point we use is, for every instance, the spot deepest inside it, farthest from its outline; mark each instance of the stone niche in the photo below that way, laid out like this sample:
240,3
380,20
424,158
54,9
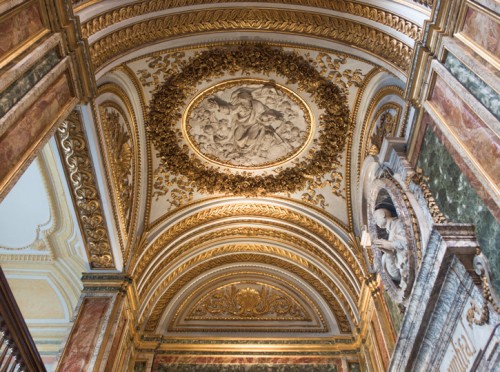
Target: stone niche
393,239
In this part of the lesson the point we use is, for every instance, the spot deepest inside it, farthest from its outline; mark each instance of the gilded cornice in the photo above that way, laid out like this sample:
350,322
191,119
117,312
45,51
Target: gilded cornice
272,233
82,181
240,210
243,253
228,20
369,12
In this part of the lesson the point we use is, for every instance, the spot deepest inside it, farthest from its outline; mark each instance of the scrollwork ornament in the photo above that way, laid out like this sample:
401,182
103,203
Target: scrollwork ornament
482,268
72,143
168,102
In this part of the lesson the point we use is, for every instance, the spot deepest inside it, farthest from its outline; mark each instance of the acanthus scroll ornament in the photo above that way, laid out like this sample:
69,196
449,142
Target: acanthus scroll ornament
167,105
72,142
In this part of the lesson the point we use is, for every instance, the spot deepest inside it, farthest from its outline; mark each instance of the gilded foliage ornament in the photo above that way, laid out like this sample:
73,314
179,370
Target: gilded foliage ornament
233,302
120,150
168,102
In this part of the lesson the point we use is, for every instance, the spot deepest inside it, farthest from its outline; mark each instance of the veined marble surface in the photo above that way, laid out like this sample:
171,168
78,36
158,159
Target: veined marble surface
458,200
476,86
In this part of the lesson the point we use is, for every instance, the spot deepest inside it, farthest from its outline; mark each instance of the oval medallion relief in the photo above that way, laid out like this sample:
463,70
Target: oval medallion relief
248,123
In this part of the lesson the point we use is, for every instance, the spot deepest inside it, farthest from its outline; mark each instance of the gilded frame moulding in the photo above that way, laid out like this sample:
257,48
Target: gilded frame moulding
78,167
131,122
226,234
364,37
372,13
291,95
279,213
179,278
166,105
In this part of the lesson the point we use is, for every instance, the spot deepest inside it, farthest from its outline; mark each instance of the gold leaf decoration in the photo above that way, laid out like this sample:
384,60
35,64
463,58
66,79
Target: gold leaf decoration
120,148
73,145
372,13
327,27
167,104
248,303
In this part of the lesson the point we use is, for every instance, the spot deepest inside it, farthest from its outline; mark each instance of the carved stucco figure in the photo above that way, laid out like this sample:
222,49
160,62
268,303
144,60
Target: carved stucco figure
395,248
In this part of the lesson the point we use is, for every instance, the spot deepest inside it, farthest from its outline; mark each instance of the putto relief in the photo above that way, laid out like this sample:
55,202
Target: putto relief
248,123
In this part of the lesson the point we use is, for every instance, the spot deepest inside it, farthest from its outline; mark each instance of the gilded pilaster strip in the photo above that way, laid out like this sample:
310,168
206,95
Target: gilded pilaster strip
78,167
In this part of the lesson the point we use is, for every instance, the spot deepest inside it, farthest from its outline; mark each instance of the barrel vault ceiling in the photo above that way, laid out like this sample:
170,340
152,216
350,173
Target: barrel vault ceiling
227,139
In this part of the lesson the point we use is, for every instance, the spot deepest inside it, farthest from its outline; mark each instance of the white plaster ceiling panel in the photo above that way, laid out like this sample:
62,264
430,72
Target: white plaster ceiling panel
213,135
25,213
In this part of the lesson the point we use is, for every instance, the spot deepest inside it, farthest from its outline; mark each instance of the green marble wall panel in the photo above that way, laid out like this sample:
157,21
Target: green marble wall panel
17,90
476,86
458,200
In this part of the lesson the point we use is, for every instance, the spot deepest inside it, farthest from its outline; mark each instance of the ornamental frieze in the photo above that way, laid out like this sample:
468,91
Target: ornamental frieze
384,17
328,27
78,167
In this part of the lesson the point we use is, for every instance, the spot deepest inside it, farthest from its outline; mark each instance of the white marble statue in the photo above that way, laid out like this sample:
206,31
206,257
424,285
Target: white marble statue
394,248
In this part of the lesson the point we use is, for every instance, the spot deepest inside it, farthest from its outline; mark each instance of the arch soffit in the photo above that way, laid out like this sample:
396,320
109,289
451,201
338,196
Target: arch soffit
114,93
178,229
388,36
271,243
345,313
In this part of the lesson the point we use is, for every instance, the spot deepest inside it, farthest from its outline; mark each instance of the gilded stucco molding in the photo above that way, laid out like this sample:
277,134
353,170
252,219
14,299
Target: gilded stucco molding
167,106
348,164
263,277
221,212
426,3
82,181
422,181
398,23
120,150
242,253
232,302
228,20
273,233
365,131
129,220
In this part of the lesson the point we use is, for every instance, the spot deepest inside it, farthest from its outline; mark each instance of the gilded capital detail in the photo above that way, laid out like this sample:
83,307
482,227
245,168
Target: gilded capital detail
78,167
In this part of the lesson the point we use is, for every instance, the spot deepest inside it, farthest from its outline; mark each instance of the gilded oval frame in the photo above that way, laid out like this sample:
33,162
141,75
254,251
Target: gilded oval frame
168,102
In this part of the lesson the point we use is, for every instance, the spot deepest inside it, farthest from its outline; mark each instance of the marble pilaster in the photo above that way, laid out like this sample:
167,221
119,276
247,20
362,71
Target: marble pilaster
429,308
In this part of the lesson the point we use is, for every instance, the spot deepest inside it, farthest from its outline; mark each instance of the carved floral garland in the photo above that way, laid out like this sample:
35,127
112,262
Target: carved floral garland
168,102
